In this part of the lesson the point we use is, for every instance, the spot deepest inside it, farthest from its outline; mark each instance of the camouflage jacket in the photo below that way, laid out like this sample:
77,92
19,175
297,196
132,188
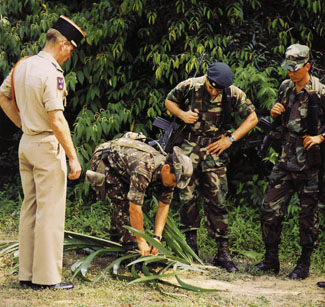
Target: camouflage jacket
210,122
293,156
130,165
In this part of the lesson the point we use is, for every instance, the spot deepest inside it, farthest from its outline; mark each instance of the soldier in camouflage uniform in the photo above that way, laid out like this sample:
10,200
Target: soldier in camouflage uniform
297,166
122,169
206,143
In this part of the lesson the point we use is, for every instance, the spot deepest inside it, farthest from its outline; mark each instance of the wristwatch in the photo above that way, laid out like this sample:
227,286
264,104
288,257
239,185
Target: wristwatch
157,237
323,135
231,139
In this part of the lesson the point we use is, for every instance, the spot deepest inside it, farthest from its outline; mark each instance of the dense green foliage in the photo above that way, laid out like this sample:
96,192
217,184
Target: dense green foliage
135,52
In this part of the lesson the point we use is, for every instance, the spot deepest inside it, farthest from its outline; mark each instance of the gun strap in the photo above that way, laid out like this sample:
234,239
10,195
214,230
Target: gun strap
226,106
193,91
12,83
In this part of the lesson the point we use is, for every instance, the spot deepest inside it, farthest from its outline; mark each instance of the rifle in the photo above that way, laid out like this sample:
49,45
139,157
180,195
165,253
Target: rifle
173,131
168,128
272,137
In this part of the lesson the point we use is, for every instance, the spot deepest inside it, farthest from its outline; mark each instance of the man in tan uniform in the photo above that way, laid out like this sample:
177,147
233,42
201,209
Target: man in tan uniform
37,85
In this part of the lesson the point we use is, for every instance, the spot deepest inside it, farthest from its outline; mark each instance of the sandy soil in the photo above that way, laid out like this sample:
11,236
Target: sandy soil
270,290
237,289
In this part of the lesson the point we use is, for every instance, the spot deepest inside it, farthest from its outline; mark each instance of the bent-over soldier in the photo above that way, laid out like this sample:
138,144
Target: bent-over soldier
123,169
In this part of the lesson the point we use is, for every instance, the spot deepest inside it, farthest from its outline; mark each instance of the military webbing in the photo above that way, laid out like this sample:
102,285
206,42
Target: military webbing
158,158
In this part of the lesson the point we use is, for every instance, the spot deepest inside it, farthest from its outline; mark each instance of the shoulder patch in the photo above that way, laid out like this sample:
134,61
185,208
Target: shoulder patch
60,83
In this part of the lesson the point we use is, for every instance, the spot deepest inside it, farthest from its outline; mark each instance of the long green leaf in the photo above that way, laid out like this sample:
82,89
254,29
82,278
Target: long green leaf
91,238
149,259
147,273
9,248
154,277
82,264
115,264
149,239
194,288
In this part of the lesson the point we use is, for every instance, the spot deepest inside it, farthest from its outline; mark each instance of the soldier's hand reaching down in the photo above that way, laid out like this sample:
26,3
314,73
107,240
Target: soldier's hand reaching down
143,246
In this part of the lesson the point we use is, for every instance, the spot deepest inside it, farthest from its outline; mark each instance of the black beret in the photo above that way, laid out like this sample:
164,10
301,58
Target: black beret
220,75
70,30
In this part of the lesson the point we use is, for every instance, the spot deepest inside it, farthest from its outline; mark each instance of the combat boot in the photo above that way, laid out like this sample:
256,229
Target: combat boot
223,258
321,284
191,240
271,259
301,271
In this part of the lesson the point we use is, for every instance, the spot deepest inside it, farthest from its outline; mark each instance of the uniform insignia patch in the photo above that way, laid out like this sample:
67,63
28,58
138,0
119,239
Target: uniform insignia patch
60,82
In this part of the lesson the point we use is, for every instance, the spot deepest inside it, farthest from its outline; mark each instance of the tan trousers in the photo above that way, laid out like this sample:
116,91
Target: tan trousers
43,172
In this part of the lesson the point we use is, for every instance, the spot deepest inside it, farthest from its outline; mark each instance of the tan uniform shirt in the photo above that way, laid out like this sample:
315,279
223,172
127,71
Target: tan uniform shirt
43,91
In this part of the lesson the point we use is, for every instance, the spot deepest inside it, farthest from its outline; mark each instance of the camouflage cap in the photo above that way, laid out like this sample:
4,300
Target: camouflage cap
183,167
296,57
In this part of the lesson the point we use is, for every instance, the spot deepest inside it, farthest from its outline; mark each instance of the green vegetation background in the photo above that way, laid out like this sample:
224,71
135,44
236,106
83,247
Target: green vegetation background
136,51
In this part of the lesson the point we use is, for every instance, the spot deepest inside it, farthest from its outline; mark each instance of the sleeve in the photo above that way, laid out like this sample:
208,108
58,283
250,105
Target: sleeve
54,92
140,178
166,195
138,187
241,104
6,86
179,94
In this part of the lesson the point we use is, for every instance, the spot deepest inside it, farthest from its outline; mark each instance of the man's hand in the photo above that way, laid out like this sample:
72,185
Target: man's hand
143,246
189,117
153,249
310,141
61,131
219,146
277,110
75,169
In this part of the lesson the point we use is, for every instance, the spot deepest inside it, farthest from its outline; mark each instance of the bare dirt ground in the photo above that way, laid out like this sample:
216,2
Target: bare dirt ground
245,289
236,289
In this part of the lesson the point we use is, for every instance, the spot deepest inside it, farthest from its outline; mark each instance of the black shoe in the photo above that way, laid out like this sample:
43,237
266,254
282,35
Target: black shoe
223,258
301,271
61,285
25,284
321,284
271,259
225,263
265,266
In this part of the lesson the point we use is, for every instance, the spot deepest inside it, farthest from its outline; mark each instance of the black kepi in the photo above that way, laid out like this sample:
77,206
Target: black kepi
70,30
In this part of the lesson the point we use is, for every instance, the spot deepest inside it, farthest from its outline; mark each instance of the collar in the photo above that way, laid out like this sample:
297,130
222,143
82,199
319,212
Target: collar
309,86
157,173
49,57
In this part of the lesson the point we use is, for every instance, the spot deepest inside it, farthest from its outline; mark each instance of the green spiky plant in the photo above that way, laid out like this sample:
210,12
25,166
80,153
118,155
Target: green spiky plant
174,257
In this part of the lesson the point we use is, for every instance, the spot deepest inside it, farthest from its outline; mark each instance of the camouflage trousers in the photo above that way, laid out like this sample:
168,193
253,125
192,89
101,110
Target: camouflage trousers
282,185
209,181
117,191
